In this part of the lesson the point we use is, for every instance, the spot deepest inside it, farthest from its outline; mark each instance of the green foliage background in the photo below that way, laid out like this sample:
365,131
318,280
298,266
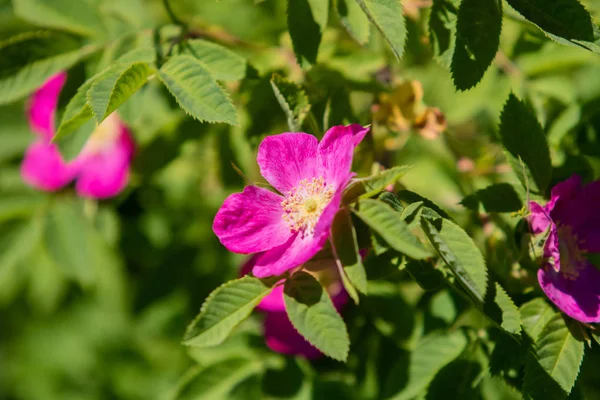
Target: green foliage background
95,298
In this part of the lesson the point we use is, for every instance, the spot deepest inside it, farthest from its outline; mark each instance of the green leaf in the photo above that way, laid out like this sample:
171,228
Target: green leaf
218,380
196,91
510,318
354,20
523,138
500,197
559,353
426,274
77,16
115,86
364,188
314,316
535,314
442,29
431,354
29,59
346,248
477,39
292,99
77,112
460,254
304,31
382,219
16,245
68,240
564,18
223,64
47,284
388,18
432,208
320,12
71,144
224,309
12,207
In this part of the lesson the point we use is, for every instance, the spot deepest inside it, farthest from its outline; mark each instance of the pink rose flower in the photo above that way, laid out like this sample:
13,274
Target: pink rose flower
572,222
280,334
288,229
100,170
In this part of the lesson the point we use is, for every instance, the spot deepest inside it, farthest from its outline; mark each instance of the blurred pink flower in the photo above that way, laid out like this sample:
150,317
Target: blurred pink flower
572,222
280,334
101,169
289,229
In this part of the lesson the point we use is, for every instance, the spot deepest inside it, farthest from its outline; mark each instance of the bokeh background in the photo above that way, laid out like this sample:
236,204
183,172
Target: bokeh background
95,296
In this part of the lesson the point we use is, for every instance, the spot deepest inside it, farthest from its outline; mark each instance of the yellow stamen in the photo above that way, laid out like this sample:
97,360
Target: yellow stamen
572,257
304,204
104,135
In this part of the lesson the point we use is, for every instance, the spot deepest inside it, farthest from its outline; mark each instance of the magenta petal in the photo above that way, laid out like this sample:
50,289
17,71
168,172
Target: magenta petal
293,253
42,106
539,220
335,155
358,133
251,221
287,158
44,168
282,337
578,298
298,249
104,174
274,300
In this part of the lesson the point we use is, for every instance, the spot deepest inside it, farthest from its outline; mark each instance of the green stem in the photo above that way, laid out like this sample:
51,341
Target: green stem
172,15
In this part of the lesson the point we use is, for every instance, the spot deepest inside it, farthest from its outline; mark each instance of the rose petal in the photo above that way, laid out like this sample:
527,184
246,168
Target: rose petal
44,168
274,300
105,173
298,249
539,220
42,106
578,298
286,159
335,154
251,221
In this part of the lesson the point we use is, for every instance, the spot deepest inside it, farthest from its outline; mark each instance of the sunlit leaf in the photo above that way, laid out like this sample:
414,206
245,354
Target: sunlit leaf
114,87
293,101
535,315
223,64
558,353
196,90
29,59
382,219
77,16
224,309
370,186
388,18
314,316
461,255
354,20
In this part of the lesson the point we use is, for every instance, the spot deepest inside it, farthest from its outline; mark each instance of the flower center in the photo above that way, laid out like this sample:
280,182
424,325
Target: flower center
571,255
104,135
304,204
